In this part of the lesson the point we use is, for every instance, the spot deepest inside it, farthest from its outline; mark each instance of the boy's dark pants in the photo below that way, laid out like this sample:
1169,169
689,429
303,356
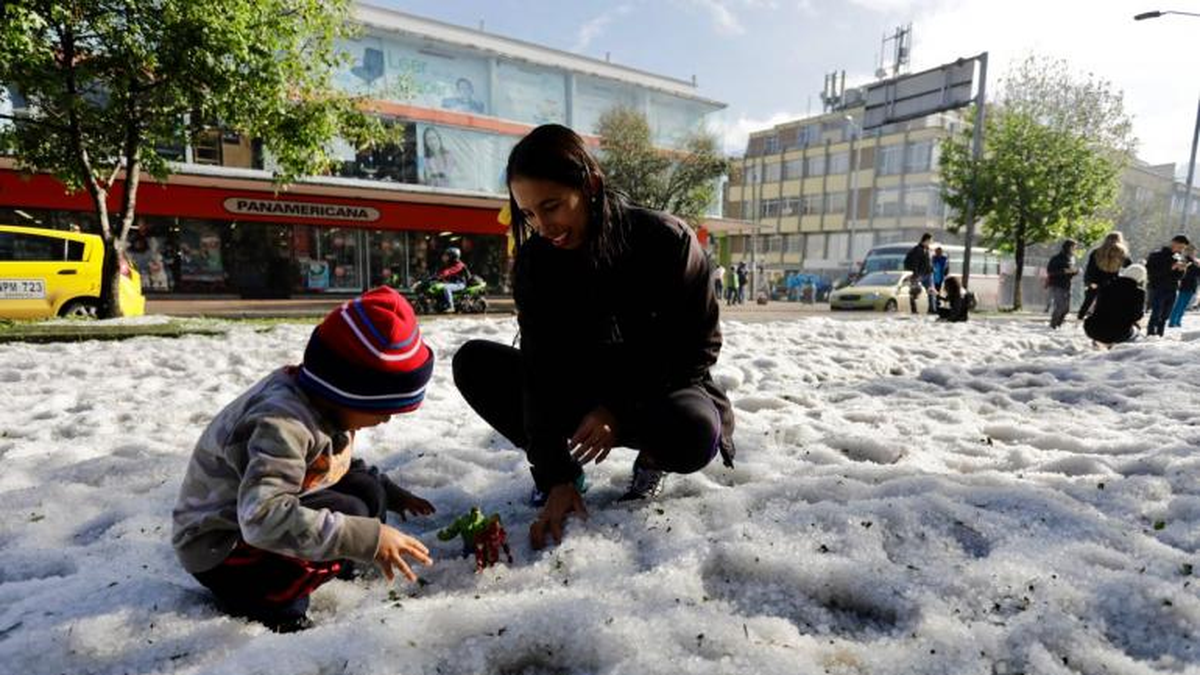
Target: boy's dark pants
680,432
274,588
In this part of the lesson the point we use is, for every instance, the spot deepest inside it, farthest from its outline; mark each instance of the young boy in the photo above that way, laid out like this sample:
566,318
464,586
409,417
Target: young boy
272,505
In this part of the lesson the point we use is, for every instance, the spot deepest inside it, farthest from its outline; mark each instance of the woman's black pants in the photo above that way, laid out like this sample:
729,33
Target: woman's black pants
678,431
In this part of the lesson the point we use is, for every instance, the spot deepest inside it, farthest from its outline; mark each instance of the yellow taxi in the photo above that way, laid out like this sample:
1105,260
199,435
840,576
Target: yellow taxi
880,291
47,273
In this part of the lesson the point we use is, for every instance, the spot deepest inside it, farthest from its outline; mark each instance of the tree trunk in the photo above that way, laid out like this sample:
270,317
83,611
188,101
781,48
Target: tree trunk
1019,257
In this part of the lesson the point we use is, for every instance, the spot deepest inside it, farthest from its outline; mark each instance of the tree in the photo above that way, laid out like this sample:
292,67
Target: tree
109,81
682,182
1054,148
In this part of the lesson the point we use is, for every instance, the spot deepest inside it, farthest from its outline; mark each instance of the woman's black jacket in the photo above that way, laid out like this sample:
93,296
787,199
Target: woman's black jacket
621,335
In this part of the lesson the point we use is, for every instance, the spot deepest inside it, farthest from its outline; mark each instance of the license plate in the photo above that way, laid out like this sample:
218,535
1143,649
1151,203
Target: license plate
22,289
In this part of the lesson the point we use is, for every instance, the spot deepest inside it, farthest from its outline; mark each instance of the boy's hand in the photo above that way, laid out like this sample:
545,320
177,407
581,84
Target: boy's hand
405,502
563,499
394,545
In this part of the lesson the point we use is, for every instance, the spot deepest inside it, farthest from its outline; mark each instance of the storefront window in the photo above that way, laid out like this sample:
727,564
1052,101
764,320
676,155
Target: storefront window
389,259
328,260
201,259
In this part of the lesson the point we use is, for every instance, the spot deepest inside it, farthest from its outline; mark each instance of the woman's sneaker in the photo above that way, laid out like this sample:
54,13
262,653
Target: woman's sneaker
645,484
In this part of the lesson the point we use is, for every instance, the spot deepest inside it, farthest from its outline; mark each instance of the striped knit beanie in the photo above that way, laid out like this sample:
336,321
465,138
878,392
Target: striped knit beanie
368,355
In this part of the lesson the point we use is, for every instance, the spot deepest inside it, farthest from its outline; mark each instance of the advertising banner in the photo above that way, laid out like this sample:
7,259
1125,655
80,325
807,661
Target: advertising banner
531,94
464,160
439,78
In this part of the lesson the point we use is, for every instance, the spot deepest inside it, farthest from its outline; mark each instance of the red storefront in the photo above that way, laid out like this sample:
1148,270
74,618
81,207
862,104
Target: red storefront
230,232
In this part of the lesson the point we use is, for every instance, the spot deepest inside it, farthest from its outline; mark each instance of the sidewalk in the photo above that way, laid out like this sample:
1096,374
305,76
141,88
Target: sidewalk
238,308
302,308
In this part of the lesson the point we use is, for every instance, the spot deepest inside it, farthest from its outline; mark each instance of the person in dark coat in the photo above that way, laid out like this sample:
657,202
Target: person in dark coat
1187,288
619,328
1120,305
1164,269
917,261
1103,265
954,305
1059,272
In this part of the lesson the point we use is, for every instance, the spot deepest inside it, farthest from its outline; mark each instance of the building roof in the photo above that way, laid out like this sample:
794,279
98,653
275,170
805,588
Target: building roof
467,38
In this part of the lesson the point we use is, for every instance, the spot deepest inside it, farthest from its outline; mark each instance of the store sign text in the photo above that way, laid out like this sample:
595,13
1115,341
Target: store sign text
267,207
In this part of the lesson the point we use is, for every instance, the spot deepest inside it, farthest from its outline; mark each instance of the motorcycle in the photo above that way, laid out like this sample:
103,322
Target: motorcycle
428,296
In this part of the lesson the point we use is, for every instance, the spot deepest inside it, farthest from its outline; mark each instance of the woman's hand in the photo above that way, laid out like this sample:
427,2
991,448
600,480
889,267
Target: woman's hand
405,503
595,436
563,499
394,545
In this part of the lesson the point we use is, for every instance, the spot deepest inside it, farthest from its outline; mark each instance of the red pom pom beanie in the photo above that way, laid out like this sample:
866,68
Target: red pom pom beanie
368,355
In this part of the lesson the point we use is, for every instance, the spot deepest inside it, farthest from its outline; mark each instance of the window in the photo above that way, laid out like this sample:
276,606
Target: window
806,136
838,241
793,206
792,243
773,173
769,208
920,156
31,248
752,174
891,159
814,247
839,163
74,251
206,147
887,202
793,169
771,145
775,243
816,165
835,202
923,201
811,205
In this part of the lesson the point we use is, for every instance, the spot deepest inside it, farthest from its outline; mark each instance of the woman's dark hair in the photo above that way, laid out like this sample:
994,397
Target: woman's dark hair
953,288
556,153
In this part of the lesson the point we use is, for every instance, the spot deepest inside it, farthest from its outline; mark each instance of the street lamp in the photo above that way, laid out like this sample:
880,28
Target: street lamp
853,183
1187,187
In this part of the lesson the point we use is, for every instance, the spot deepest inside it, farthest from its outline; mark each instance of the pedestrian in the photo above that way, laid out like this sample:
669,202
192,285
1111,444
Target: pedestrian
955,305
941,268
1060,271
618,330
732,287
1120,305
1187,288
1164,269
743,279
719,281
918,264
1103,265
273,505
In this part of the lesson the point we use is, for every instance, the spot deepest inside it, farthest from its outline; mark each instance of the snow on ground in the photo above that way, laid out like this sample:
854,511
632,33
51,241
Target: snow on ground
910,497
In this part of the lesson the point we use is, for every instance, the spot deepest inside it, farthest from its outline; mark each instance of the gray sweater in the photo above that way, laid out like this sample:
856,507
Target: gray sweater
248,471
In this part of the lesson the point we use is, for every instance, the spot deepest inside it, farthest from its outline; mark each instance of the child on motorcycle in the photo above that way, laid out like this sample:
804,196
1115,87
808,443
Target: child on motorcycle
454,275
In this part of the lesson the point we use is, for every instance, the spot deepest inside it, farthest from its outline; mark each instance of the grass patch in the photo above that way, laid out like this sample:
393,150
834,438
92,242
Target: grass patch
79,331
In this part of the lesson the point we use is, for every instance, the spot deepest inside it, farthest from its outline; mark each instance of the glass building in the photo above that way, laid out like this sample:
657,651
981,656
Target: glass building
461,99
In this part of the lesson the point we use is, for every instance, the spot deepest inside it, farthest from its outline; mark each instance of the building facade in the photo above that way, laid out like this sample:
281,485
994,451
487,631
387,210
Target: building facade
813,196
818,193
460,98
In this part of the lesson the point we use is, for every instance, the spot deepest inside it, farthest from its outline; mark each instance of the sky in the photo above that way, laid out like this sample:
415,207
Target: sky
767,58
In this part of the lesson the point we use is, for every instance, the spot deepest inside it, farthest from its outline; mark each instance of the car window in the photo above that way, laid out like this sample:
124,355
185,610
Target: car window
34,248
6,246
74,250
880,279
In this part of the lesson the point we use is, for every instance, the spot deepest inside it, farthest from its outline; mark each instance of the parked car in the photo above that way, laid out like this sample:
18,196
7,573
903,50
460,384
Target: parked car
47,273
882,291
